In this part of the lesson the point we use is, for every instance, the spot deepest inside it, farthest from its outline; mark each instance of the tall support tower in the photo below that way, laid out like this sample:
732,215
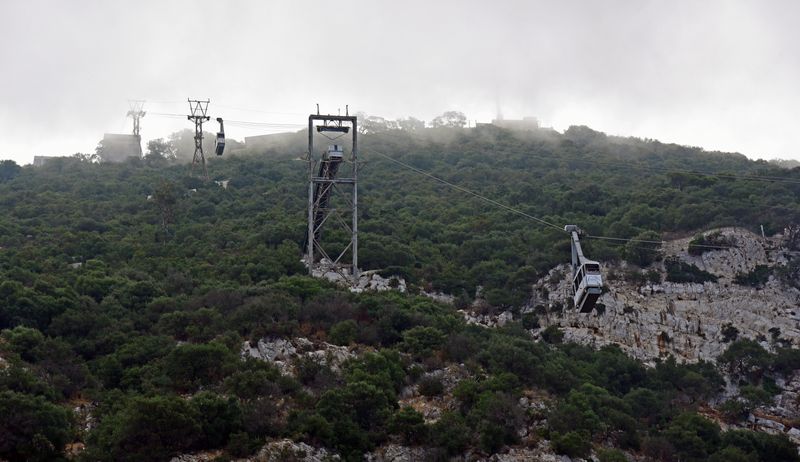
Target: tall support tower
136,112
333,191
198,115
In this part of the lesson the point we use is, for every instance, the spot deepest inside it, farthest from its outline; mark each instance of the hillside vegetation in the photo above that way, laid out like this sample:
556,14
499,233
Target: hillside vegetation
128,290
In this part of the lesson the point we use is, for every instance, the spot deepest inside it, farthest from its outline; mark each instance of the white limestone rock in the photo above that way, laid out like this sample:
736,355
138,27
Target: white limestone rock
285,352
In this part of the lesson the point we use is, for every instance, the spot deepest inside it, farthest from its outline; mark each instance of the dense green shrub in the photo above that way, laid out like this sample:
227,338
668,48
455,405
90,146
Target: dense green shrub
344,332
571,444
430,386
146,429
755,278
32,428
682,272
410,424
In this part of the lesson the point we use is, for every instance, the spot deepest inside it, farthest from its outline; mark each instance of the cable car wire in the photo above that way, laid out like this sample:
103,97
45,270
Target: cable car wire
507,207
260,111
470,192
647,241
644,167
618,240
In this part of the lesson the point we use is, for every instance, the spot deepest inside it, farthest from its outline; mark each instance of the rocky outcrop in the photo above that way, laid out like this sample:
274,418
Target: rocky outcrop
206,456
367,280
787,403
439,297
397,453
284,353
540,452
274,451
432,407
283,450
487,320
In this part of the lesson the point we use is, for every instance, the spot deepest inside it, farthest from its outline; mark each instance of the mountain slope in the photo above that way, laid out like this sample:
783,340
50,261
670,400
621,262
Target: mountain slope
174,315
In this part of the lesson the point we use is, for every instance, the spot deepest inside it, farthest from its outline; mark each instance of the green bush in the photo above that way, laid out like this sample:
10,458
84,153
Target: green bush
32,428
218,418
430,386
681,272
693,437
421,341
755,278
194,365
763,445
571,444
410,424
552,334
343,333
145,429
611,455
450,433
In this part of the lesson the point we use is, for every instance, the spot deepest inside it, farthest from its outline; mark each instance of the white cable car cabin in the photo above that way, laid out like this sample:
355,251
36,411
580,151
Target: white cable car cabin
587,282
219,145
335,153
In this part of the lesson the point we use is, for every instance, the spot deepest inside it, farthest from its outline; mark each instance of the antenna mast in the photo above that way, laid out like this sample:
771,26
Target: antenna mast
198,109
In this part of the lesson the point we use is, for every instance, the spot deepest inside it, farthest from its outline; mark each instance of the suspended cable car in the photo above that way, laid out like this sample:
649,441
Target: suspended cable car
587,282
219,146
335,153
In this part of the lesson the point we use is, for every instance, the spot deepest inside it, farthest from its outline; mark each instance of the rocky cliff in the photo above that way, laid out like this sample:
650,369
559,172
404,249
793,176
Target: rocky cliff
687,320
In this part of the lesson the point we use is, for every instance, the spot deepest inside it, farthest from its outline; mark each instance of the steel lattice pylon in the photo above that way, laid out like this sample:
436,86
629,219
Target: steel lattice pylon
327,182
198,116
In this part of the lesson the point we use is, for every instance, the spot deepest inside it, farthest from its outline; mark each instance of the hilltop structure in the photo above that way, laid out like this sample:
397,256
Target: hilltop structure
526,123
117,147
39,161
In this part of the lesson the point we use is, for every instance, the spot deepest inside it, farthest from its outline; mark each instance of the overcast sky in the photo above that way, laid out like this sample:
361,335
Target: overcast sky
723,75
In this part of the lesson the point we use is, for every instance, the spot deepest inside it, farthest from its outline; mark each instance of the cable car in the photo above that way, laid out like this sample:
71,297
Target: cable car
219,145
587,282
335,153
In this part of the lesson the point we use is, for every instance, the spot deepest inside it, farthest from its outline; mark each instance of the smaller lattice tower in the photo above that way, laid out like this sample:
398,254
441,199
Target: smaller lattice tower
198,109
136,113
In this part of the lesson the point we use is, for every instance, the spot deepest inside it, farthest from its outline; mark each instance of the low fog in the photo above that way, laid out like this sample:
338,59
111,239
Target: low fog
718,74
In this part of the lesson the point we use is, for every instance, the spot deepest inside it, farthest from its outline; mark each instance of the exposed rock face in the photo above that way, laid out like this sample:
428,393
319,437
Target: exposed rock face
685,320
199,457
787,403
367,280
371,280
283,450
540,452
432,407
396,453
439,297
487,320
285,352
274,451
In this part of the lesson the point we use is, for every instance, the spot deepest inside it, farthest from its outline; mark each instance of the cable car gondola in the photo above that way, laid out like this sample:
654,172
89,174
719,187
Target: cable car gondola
587,282
219,145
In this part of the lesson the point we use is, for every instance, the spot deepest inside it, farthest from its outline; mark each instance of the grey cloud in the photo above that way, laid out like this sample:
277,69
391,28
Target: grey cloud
718,74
